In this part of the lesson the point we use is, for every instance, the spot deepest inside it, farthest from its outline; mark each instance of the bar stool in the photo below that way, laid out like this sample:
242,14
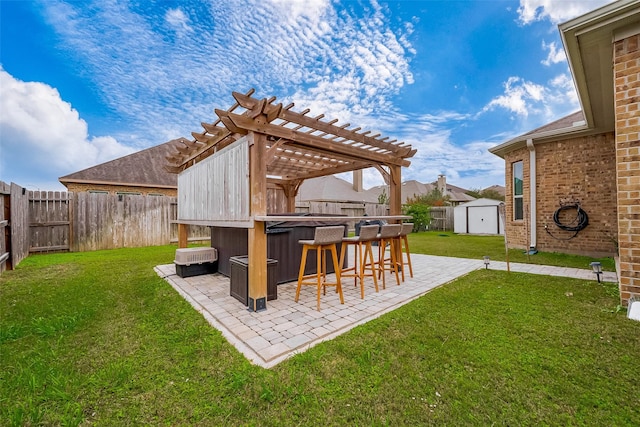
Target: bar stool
407,228
388,236
325,239
368,233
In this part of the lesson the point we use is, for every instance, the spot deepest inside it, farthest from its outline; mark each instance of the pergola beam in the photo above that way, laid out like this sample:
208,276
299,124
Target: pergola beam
247,124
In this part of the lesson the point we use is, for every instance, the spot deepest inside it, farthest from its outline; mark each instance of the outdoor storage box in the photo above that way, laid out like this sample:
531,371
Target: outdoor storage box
239,279
196,261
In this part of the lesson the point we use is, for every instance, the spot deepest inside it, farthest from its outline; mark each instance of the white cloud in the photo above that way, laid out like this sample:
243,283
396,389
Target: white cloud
520,96
178,20
282,47
43,137
468,165
554,10
555,55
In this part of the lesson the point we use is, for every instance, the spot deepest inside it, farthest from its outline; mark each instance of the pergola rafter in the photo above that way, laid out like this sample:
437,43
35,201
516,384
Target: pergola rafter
298,146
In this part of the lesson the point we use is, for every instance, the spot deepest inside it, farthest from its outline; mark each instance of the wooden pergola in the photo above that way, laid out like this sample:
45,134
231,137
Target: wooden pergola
284,148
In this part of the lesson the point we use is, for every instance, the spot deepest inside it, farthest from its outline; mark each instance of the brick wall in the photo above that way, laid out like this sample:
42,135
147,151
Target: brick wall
114,189
627,106
572,170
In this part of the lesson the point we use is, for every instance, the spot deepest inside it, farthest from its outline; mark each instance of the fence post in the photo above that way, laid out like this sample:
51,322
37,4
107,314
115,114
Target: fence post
5,231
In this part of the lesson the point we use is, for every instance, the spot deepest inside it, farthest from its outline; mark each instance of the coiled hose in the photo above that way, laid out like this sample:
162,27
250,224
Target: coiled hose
579,222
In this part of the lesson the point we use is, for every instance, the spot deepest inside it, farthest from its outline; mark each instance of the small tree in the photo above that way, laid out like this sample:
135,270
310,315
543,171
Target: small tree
421,214
419,206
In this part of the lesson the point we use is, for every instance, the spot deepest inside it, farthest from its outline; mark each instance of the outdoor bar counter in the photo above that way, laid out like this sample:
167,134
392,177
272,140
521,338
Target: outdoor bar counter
283,233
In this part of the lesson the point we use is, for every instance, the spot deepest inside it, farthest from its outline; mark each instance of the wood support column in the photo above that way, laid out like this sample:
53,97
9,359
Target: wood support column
395,190
395,198
183,235
257,236
291,191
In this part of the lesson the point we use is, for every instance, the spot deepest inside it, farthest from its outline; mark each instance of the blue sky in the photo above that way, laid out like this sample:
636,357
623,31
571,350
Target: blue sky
85,82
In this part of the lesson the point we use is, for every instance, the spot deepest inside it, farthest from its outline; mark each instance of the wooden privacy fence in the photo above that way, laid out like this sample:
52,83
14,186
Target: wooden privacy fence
49,221
441,218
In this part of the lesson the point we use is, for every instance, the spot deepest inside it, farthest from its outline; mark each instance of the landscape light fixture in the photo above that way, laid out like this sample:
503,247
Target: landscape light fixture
486,262
597,268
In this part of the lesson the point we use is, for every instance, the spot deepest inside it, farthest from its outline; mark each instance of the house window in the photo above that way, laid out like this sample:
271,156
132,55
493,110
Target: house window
518,179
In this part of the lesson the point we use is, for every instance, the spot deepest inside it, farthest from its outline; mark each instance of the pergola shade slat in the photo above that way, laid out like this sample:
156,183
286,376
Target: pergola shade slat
299,146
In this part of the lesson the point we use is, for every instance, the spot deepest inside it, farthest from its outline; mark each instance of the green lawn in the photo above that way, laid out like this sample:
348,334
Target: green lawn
98,338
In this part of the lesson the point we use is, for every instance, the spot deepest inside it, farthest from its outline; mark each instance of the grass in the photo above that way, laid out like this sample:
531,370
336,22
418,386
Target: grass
98,338
445,243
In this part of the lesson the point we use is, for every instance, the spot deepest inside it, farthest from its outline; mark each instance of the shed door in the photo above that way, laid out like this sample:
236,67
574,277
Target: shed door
482,219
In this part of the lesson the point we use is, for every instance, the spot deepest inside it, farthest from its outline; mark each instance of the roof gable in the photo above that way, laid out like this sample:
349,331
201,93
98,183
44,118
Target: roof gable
142,169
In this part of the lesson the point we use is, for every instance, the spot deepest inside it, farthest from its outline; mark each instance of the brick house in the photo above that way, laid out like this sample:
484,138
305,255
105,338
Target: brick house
139,173
589,161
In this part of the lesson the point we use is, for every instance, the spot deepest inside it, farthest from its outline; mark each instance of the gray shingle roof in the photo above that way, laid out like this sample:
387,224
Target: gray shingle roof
142,168
331,188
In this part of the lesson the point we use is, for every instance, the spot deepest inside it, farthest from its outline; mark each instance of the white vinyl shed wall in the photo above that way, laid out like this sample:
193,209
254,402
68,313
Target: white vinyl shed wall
481,216
216,190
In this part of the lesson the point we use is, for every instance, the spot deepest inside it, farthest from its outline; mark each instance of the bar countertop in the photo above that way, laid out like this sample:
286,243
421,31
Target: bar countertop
329,218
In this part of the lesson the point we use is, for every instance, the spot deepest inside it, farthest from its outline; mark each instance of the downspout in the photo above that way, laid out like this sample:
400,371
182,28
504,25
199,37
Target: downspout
532,196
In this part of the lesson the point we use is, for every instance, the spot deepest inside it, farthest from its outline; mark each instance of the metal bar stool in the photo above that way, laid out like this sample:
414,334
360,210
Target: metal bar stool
407,228
368,233
325,239
388,236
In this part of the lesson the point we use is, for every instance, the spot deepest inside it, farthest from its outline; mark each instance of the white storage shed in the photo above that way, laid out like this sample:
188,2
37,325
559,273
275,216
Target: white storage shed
480,216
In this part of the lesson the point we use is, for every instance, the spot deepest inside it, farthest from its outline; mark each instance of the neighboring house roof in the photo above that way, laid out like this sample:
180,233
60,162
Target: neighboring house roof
587,40
497,188
458,196
140,169
409,188
414,188
565,127
331,188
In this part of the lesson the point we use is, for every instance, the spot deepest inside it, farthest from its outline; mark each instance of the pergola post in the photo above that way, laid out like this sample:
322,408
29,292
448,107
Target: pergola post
291,191
183,235
395,197
395,190
257,236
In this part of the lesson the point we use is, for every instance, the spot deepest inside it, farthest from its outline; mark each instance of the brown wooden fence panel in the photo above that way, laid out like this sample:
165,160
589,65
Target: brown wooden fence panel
5,232
19,224
441,218
105,221
49,221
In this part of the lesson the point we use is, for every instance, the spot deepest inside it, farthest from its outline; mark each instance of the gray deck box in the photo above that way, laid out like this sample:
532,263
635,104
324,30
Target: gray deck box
239,279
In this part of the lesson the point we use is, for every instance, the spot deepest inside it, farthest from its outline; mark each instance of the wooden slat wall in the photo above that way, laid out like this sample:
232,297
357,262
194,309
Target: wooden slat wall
217,188
49,221
276,200
19,224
